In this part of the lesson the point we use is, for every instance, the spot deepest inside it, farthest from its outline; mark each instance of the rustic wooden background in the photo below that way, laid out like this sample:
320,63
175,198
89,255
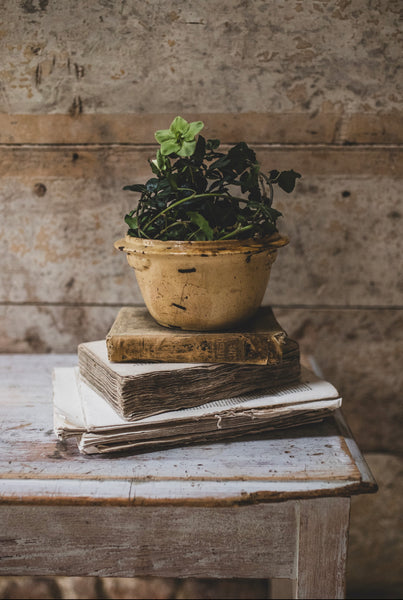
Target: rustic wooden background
312,85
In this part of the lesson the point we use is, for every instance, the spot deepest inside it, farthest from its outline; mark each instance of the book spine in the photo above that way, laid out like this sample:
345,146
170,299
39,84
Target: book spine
254,349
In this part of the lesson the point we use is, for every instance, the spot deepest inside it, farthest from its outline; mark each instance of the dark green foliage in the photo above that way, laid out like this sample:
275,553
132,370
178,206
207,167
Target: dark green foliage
207,195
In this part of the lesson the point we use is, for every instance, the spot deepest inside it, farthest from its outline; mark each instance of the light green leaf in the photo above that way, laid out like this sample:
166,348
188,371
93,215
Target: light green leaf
179,125
131,221
160,160
170,146
193,130
201,222
187,149
163,135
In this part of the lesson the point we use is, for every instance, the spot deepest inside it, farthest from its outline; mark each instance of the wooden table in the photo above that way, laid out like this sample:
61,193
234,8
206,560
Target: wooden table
274,507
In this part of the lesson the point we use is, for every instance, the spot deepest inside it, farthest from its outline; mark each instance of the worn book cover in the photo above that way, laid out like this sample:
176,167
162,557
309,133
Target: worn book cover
79,411
135,336
139,389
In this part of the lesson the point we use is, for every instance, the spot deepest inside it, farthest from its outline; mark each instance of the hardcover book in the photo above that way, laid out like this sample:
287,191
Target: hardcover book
80,412
137,390
135,336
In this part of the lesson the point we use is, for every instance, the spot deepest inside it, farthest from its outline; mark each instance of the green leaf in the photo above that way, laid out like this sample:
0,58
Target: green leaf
179,125
201,222
218,184
162,162
241,157
131,221
200,183
163,135
187,149
219,164
165,193
152,184
172,181
287,179
154,168
193,130
245,180
275,214
200,151
163,184
255,194
137,187
213,144
170,146
215,175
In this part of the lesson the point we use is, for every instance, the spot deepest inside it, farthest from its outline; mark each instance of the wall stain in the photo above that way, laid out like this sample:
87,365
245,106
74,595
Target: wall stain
38,75
34,6
35,342
40,189
76,107
79,70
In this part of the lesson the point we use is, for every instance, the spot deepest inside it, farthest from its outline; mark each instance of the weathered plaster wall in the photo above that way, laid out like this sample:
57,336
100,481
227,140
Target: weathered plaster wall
230,56
315,85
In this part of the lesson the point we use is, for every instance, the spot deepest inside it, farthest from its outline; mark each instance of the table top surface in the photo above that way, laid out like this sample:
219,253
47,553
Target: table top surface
35,467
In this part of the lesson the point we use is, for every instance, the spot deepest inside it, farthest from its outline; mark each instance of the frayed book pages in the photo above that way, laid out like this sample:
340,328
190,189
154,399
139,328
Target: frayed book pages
138,390
79,411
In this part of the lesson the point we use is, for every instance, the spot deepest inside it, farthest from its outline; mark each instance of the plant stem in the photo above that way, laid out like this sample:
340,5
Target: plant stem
227,236
173,225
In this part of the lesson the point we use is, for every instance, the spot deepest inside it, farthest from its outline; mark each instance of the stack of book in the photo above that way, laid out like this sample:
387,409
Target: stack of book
146,386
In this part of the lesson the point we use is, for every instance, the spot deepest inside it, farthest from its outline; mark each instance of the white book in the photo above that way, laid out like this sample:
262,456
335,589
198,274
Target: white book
79,411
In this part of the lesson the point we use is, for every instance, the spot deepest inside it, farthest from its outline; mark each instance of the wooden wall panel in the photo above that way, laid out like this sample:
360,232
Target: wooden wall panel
332,126
375,551
359,351
118,163
43,328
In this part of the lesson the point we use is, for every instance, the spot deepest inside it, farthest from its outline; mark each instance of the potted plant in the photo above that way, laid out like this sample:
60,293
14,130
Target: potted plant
203,236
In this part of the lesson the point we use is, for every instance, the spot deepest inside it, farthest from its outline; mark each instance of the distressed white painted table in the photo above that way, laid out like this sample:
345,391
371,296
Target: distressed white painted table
273,507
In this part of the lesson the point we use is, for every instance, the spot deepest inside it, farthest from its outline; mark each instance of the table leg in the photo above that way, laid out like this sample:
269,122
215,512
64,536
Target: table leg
281,589
322,548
